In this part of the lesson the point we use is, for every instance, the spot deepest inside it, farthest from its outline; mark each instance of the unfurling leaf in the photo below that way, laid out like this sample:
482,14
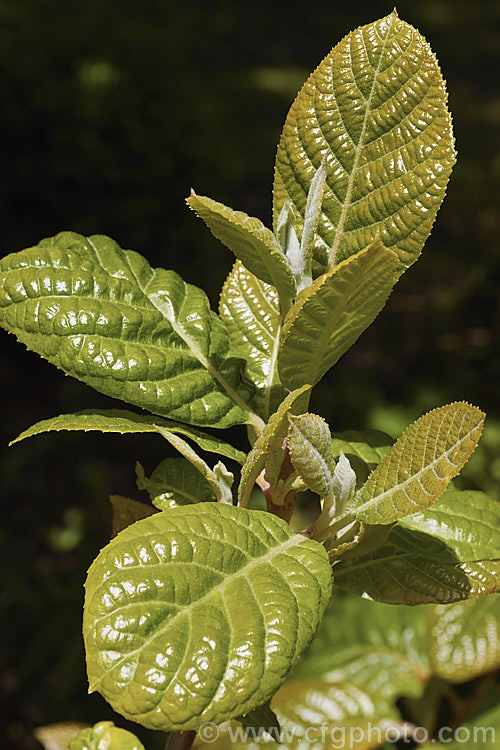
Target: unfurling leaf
331,314
251,242
133,332
105,736
419,466
310,446
364,450
375,108
197,613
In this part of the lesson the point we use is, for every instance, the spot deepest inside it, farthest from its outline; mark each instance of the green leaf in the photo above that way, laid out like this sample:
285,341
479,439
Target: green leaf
376,109
135,333
421,463
105,736
251,242
464,638
197,613
173,483
481,731
364,450
262,720
267,452
119,420
58,736
331,314
127,511
383,650
438,556
250,309
310,446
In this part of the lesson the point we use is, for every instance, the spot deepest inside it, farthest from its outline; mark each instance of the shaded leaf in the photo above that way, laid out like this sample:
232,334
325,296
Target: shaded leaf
119,420
231,604
421,463
250,309
262,720
105,736
364,450
175,482
136,333
331,314
251,242
127,511
376,109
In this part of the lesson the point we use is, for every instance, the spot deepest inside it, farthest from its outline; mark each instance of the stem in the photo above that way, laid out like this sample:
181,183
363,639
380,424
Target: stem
180,740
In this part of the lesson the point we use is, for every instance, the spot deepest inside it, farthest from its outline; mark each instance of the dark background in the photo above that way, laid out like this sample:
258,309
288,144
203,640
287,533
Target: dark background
110,111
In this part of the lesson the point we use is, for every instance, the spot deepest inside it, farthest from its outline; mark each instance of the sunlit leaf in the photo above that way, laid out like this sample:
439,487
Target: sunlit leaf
105,736
58,736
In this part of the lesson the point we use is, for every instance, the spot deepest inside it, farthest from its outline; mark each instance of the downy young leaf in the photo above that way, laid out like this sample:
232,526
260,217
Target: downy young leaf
126,512
383,650
119,420
105,736
173,483
446,554
421,463
464,638
376,108
310,446
250,309
267,452
197,613
364,450
136,333
251,242
331,314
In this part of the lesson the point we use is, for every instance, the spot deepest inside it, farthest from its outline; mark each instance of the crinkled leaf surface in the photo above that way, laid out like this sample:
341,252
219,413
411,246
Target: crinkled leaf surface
446,554
175,482
119,420
331,314
267,451
310,447
135,333
421,463
376,108
252,243
464,638
127,511
383,650
365,450
105,736
250,309
197,613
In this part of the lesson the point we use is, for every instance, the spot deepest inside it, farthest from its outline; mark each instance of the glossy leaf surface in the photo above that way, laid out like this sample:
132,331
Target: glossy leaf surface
267,452
142,335
250,309
376,108
119,420
197,613
464,638
175,482
251,242
331,314
438,556
127,511
105,736
421,463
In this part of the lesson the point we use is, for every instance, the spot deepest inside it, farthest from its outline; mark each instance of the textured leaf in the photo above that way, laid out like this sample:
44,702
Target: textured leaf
267,452
127,511
464,638
105,736
250,309
197,613
142,335
251,242
383,650
364,450
310,446
173,483
118,420
331,314
420,465
376,108
58,736
440,555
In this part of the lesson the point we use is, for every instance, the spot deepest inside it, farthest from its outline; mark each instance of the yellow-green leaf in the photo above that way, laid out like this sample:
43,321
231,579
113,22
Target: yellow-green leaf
105,736
376,108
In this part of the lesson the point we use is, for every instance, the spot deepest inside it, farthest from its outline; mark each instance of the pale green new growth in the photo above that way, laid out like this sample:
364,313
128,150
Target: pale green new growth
105,736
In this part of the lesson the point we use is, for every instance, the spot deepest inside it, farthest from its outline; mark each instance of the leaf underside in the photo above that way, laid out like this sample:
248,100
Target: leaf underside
376,109
197,613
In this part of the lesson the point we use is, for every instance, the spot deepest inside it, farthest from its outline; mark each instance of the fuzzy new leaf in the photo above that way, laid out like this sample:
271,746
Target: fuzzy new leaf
421,463
231,604
310,447
105,736
330,315
376,108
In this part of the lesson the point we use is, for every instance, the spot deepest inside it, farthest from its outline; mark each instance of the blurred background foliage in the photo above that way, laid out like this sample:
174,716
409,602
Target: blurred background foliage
111,111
